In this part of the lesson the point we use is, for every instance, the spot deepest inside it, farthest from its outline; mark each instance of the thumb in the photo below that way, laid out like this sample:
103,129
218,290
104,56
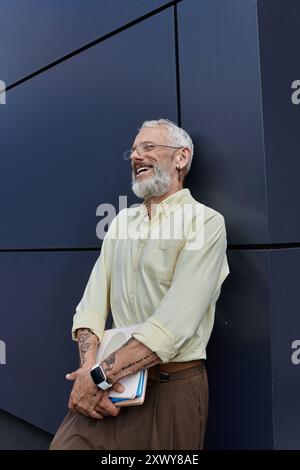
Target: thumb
72,375
118,387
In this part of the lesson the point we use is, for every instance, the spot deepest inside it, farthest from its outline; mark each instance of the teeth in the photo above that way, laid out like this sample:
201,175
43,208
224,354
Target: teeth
141,169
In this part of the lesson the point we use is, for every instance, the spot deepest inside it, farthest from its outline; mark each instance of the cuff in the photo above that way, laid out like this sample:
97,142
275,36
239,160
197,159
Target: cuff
157,338
91,320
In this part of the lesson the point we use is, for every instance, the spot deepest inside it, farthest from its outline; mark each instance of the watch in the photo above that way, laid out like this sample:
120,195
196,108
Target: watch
99,377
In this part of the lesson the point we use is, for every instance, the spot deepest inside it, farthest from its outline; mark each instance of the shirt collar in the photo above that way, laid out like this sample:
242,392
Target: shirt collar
167,205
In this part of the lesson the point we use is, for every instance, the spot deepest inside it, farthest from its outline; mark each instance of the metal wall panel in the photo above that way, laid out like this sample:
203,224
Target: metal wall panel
239,358
34,33
221,107
16,434
284,295
279,57
63,134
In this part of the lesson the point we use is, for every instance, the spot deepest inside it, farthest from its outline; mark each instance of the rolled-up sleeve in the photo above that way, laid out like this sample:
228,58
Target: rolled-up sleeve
92,310
197,278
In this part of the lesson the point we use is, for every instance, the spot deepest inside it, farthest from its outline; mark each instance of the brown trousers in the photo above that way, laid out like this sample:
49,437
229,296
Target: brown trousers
172,417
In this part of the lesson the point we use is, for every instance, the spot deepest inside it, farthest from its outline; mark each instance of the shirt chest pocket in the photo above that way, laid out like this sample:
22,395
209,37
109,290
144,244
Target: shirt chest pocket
159,259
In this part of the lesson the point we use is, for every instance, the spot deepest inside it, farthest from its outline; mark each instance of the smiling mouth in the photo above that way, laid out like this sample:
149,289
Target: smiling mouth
142,170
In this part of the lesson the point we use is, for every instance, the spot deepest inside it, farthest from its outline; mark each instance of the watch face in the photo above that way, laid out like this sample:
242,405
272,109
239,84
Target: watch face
98,375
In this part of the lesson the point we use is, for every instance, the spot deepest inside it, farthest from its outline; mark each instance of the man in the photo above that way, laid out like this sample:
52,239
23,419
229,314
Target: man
164,275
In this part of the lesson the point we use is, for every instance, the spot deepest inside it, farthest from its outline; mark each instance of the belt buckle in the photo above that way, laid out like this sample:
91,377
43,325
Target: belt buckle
164,376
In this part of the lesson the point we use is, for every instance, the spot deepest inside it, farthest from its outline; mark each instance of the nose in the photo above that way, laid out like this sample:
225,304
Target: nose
135,156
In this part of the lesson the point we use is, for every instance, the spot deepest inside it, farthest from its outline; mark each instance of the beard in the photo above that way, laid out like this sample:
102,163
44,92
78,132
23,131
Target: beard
157,185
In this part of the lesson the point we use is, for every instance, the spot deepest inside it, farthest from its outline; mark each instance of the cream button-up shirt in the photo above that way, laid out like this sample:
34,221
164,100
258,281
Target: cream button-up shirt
164,274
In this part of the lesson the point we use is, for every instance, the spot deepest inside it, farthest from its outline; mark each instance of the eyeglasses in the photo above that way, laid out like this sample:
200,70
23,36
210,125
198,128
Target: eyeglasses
143,149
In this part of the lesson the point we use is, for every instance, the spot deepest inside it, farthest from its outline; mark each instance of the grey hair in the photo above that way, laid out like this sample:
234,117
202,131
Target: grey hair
177,135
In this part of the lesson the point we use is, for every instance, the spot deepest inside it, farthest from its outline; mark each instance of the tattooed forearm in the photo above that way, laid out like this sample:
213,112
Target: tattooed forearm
128,359
87,343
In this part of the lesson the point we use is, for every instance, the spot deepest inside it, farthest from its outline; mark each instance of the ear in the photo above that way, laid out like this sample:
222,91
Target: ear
183,158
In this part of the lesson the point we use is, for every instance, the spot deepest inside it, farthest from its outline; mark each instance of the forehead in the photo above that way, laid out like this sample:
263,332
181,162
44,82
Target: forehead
157,134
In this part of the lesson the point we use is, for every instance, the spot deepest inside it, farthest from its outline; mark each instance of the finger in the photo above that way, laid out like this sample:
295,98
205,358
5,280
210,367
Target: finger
106,406
76,408
101,411
95,414
80,410
104,409
118,387
72,375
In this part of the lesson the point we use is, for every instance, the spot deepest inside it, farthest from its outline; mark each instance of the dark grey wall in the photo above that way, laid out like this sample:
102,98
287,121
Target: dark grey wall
81,77
18,434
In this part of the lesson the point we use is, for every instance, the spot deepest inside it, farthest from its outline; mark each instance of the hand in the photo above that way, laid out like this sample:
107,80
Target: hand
85,394
106,407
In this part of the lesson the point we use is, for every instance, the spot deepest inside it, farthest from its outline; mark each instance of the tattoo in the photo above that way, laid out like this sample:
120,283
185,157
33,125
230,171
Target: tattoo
151,361
87,341
130,368
152,355
109,362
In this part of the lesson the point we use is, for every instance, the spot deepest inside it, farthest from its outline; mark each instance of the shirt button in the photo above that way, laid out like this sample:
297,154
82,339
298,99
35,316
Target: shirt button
132,295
